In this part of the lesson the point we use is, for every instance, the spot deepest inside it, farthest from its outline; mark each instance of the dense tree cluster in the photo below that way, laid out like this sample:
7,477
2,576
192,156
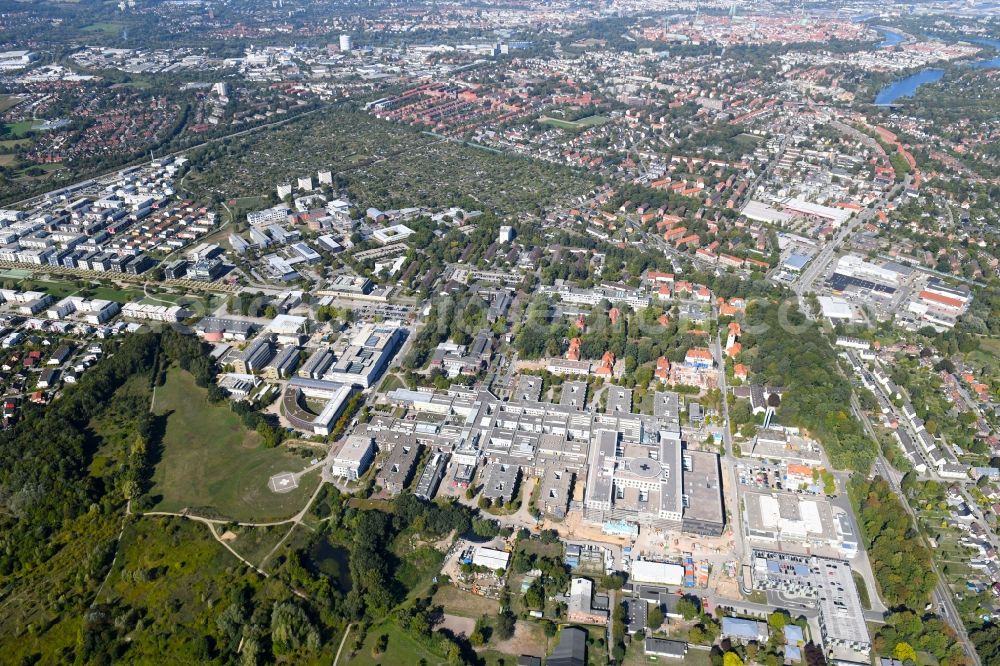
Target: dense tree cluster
436,519
900,560
458,317
45,457
987,642
792,352
906,631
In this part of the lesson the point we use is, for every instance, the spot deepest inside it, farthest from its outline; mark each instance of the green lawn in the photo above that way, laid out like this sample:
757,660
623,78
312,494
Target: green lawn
14,144
597,655
574,125
402,650
48,168
990,345
417,567
116,294
60,288
988,354
107,27
747,140
539,547
20,128
244,204
390,383
159,298
859,582
56,289
211,463
199,303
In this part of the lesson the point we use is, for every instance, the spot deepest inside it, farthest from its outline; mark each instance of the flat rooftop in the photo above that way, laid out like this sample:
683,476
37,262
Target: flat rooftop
779,516
619,400
702,486
825,582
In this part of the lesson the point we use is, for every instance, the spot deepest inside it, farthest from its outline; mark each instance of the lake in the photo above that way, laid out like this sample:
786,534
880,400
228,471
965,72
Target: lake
333,561
992,62
906,87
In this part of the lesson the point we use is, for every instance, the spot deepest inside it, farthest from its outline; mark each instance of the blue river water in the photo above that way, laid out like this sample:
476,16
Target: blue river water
992,62
906,87
890,39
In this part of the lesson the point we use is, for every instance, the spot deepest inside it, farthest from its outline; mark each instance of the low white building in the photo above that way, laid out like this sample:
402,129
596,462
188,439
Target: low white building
353,458
491,558
657,573
393,234
835,308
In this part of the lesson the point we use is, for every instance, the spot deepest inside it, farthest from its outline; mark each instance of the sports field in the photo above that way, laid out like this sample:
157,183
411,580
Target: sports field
214,466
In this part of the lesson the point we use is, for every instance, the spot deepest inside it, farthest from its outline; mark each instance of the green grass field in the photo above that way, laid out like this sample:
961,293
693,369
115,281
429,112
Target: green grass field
402,650
574,125
9,101
211,463
20,128
56,289
391,382
47,168
539,547
248,203
107,27
60,288
159,298
14,144
116,294
988,354
596,655
417,568
254,543
859,582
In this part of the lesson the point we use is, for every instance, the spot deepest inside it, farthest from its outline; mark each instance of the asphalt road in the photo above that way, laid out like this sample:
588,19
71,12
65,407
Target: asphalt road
942,596
820,263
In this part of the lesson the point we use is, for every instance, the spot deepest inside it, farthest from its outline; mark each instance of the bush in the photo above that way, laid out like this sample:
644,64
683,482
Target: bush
654,620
